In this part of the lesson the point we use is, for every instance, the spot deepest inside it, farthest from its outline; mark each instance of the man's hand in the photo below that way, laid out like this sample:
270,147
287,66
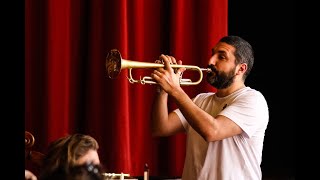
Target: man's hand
167,77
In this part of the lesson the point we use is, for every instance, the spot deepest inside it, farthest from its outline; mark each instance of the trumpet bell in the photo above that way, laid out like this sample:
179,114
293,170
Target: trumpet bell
113,63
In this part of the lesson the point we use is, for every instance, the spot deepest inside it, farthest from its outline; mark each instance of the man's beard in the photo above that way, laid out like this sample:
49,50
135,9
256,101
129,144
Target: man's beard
220,80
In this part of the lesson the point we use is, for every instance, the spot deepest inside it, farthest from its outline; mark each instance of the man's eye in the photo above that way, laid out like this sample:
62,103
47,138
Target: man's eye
221,57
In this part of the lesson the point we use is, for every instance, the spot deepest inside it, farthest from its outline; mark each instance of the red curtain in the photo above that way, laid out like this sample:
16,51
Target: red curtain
66,85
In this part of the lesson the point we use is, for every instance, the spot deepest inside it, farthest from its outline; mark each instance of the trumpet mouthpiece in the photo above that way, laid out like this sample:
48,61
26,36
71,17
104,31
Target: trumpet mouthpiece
206,69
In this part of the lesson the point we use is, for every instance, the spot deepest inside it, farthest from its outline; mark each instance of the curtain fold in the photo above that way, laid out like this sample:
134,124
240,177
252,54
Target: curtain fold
66,85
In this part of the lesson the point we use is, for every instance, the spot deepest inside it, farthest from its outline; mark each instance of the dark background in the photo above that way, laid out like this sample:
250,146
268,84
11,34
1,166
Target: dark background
12,89
269,27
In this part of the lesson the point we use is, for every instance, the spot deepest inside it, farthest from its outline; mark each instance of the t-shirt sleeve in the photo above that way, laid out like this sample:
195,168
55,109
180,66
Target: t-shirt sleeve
199,98
182,118
249,111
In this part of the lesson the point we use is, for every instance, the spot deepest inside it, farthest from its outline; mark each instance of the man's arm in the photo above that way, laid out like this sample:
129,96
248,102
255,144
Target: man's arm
209,127
164,124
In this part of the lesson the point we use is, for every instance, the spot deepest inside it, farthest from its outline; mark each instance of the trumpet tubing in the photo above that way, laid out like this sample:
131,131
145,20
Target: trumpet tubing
115,63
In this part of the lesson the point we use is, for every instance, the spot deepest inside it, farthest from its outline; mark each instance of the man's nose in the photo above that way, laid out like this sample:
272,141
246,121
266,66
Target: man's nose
212,60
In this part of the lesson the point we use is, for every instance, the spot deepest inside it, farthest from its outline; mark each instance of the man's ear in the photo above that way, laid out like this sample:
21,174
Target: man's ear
242,68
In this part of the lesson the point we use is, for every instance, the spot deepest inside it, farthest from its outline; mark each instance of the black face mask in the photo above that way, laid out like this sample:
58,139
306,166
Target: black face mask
220,80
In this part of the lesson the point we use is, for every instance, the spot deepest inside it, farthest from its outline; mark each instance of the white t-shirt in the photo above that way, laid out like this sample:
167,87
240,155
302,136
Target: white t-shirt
235,158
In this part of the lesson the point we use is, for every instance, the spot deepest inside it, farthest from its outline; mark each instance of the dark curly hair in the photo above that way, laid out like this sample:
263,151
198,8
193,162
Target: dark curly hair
243,53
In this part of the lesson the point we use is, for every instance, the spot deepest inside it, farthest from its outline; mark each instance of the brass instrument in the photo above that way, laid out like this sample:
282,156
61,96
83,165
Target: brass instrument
115,63
120,176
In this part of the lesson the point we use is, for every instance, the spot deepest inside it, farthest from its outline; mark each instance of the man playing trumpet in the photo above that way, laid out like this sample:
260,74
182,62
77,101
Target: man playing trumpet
225,130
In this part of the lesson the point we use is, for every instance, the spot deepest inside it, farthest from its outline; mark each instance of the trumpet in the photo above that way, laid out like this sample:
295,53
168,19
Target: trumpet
115,63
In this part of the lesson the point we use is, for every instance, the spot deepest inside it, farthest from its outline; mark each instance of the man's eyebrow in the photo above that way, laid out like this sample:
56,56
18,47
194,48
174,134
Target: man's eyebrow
219,51
222,52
